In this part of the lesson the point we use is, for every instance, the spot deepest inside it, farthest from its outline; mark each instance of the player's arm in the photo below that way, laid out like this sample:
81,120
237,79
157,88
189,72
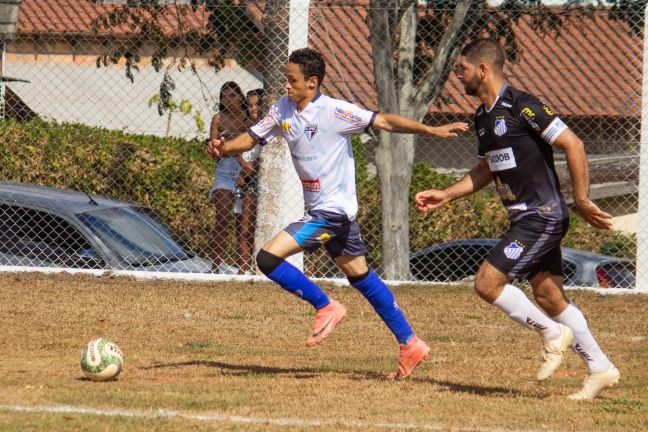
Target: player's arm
399,124
219,147
477,178
579,172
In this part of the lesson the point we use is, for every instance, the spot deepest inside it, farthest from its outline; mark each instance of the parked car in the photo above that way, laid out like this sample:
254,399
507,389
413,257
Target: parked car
457,260
47,227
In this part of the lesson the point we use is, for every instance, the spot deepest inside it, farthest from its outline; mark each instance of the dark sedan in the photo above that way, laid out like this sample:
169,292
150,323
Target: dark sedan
47,227
457,260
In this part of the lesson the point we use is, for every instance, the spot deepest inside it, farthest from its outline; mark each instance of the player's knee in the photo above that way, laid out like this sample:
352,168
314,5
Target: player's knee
484,287
267,262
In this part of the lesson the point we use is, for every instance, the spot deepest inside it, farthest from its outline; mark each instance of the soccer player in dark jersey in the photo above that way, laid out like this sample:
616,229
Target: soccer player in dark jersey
516,134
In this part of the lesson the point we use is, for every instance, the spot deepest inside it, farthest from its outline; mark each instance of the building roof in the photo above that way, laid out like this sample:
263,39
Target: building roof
593,68
76,16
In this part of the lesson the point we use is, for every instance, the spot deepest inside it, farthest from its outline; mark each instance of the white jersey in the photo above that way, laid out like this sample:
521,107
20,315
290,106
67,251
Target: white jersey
319,139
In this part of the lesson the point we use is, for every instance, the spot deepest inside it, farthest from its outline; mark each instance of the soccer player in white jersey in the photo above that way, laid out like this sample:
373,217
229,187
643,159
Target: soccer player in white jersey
516,134
318,130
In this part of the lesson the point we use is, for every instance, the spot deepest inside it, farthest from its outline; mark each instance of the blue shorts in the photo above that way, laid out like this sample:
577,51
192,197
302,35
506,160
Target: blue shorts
334,231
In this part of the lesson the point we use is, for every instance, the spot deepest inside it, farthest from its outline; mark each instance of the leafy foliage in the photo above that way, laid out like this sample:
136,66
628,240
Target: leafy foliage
227,32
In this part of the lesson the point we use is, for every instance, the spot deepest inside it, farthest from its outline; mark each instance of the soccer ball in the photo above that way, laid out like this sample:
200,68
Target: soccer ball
101,360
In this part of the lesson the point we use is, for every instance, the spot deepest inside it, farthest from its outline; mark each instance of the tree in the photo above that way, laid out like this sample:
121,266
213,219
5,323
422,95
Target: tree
229,33
414,47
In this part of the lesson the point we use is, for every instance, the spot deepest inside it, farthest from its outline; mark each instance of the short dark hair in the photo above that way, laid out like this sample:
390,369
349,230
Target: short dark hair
256,92
311,63
231,85
485,50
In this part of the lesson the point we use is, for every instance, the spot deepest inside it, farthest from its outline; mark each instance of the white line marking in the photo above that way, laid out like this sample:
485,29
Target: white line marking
209,277
217,417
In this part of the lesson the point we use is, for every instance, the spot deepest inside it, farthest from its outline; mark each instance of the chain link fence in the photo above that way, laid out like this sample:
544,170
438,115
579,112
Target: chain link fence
108,105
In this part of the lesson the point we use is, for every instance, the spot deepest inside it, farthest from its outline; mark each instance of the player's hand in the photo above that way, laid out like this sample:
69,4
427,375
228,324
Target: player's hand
451,130
594,215
215,147
431,199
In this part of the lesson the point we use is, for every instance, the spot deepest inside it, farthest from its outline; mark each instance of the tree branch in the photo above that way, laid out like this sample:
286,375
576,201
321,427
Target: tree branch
448,49
406,50
381,38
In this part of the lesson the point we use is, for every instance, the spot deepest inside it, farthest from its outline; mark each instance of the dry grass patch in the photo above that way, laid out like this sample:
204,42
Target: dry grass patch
238,349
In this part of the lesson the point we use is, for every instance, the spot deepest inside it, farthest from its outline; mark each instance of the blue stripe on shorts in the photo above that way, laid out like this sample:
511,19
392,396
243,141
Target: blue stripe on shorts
305,232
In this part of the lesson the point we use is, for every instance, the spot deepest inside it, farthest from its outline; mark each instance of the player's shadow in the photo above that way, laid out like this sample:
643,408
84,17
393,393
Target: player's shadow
242,370
247,369
453,387
308,372
477,389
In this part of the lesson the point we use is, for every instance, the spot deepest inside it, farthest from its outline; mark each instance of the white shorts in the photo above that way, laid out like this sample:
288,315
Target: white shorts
228,169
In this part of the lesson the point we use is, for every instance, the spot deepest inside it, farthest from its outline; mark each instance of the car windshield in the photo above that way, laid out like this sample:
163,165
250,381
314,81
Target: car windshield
134,236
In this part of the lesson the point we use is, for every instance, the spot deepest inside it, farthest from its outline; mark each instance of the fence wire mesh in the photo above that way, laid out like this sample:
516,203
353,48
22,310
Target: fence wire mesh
107,106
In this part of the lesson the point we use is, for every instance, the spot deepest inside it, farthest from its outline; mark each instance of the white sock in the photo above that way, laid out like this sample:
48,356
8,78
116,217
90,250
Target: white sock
514,303
584,343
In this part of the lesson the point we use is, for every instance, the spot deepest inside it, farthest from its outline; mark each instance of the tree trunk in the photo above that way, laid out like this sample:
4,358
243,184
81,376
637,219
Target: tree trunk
280,195
399,94
395,153
394,158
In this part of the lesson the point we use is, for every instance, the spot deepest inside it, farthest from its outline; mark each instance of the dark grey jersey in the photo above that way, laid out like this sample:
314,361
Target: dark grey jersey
515,137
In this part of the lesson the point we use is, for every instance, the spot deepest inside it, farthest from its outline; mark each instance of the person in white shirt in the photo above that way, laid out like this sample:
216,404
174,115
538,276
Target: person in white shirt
231,120
318,130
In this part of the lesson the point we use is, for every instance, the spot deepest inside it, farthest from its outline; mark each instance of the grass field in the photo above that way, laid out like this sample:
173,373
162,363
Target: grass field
231,356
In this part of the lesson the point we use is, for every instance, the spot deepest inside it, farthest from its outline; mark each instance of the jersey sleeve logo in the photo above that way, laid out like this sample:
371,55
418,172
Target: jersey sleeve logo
500,127
285,125
528,115
347,116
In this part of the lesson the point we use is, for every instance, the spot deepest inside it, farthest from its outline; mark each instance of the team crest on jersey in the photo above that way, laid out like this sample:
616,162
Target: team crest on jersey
310,130
514,250
500,127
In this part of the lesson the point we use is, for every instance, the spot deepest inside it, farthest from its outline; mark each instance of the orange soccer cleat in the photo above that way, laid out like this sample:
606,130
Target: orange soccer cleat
411,355
326,319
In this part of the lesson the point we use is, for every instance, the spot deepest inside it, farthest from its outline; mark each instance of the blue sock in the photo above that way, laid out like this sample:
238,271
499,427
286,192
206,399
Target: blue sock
294,281
382,300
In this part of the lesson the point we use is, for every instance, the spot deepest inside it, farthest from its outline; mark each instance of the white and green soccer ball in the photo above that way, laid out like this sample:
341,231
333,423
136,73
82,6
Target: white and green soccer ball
101,360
